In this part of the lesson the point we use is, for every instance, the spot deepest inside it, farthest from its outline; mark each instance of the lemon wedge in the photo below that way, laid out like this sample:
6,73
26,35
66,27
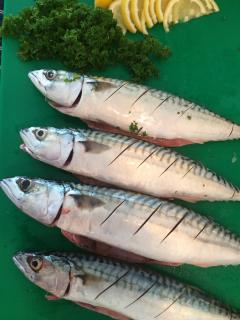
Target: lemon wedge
183,11
160,8
126,15
152,6
103,3
115,7
146,5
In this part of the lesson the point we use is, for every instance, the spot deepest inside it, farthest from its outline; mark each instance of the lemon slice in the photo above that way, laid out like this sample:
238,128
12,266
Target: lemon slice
160,8
214,5
115,7
149,22
103,3
126,15
211,6
182,11
143,23
152,6
208,5
136,7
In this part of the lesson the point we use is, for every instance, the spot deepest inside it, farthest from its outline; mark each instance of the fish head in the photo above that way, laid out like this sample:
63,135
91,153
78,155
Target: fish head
50,145
40,199
63,89
48,271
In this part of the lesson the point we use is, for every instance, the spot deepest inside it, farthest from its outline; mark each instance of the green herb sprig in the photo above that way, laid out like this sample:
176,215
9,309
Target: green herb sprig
81,37
133,128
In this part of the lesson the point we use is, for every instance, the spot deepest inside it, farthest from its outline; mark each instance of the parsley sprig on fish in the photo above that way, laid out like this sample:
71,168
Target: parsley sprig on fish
81,37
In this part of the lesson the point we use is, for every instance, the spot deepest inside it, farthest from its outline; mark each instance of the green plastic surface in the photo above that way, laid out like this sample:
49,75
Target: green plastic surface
204,67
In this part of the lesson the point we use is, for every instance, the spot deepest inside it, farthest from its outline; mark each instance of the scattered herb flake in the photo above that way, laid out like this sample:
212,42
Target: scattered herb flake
189,117
75,76
134,127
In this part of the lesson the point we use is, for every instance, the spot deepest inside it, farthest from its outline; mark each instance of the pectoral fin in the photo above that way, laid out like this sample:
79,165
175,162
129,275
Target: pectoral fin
94,147
86,202
101,85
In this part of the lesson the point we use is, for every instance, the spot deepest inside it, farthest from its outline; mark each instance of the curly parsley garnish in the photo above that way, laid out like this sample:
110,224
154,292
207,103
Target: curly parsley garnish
133,128
82,38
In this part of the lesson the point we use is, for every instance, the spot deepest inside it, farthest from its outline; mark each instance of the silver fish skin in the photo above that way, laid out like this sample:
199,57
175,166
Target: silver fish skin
109,103
127,163
139,224
125,289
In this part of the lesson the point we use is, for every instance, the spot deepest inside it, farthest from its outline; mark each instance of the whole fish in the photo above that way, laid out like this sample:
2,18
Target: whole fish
131,109
141,225
127,163
117,289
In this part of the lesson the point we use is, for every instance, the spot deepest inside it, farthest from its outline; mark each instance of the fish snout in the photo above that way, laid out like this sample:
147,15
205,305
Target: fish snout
37,78
19,261
29,140
11,189
24,133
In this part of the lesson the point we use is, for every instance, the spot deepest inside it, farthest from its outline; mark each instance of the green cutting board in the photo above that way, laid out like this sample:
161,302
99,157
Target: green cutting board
204,67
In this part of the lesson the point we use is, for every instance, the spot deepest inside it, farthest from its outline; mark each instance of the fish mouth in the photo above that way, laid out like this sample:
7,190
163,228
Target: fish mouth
27,144
25,148
38,84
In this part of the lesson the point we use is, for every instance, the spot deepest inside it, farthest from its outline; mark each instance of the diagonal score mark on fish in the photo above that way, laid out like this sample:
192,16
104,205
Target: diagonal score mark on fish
137,228
168,307
81,278
165,118
142,294
127,163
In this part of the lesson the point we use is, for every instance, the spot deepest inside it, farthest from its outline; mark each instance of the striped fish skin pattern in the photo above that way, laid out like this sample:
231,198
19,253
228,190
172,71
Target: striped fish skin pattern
131,291
138,224
114,105
127,163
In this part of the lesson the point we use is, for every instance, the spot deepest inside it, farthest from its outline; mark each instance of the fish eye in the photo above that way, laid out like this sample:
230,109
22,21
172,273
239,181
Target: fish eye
35,263
51,74
24,184
40,134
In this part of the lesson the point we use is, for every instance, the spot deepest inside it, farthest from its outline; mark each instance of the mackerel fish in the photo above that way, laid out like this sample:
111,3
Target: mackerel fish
123,224
127,163
122,107
117,289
